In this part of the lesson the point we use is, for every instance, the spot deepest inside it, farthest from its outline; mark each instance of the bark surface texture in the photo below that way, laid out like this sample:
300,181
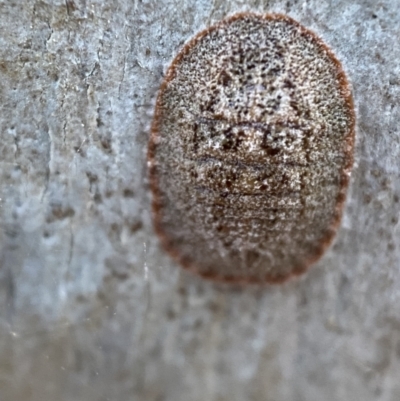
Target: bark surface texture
91,307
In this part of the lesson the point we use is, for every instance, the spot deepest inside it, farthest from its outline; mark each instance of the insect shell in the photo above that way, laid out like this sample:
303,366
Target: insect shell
251,150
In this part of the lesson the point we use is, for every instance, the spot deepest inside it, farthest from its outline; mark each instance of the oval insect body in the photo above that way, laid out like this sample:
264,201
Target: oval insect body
251,149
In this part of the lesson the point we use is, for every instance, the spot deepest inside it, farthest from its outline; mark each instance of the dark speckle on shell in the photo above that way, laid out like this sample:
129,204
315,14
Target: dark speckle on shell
251,150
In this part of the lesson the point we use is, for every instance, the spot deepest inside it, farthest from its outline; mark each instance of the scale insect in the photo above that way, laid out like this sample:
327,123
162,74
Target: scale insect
251,150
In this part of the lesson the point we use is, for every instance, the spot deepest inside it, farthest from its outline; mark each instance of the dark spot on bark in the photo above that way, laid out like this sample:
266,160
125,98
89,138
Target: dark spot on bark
106,144
135,226
59,212
97,197
91,177
128,193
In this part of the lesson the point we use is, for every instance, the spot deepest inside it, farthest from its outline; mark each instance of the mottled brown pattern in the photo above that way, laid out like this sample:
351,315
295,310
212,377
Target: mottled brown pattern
251,150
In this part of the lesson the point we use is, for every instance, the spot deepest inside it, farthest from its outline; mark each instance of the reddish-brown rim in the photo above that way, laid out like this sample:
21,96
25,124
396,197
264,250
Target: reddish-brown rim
345,176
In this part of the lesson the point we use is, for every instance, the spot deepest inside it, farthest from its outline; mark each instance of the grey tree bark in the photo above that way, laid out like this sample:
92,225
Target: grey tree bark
91,306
